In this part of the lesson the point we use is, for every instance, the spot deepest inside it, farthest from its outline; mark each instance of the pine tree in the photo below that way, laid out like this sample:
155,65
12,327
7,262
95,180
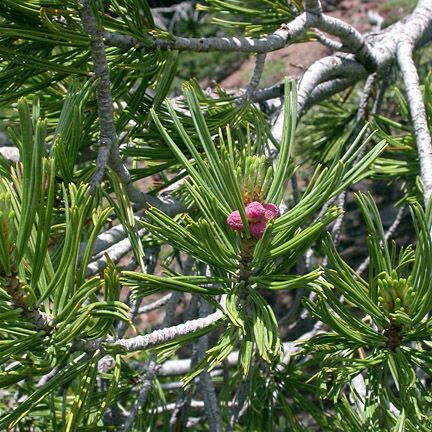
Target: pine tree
91,245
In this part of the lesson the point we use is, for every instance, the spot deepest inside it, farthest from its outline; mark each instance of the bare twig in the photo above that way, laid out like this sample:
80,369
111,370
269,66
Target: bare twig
152,339
375,20
313,17
329,88
178,417
323,70
275,91
417,111
360,389
45,378
105,240
108,135
362,112
352,40
241,400
10,153
151,367
272,42
256,77
328,42
183,366
206,383
150,262
155,304
336,73
116,252
313,7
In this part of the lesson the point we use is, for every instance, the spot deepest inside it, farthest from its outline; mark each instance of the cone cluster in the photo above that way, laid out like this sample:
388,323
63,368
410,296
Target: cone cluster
257,215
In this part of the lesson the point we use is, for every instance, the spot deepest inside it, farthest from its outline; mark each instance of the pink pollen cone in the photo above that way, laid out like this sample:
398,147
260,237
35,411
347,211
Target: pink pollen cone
257,229
271,211
234,221
255,212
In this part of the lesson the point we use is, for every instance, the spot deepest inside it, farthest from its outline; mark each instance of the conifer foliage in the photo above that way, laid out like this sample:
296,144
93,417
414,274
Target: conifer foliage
175,263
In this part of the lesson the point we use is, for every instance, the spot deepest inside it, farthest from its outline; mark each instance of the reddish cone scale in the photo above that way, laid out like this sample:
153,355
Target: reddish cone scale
271,211
255,212
234,221
257,229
